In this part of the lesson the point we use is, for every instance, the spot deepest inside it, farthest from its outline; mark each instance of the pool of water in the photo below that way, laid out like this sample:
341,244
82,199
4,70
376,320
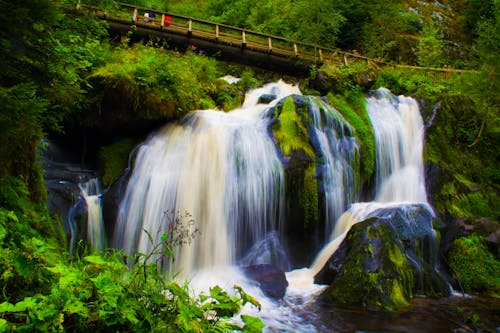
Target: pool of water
458,314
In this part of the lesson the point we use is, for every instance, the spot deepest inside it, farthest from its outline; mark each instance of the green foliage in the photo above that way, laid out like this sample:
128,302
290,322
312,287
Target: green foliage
430,46
416,83
469,179
316,22
43,290
20,131
476,269
114,158
105,293
154,83
28,240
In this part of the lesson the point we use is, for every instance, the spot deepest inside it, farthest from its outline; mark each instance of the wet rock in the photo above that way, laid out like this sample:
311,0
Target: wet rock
386,259
266,98
271,279
267,251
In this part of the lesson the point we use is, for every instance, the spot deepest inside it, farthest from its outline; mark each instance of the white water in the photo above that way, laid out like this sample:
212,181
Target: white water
91,193
220,167
399,134
399,137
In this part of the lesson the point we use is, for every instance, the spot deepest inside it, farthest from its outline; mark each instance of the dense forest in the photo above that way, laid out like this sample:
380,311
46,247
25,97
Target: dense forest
60,69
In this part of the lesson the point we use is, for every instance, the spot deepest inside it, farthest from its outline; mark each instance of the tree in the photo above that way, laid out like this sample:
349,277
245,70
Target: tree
430,46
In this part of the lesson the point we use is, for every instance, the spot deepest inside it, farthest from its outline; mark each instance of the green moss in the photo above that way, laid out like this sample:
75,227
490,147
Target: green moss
291,132
114,159
476,269
466,185
353,109
308,196
386,285
397,296
404,274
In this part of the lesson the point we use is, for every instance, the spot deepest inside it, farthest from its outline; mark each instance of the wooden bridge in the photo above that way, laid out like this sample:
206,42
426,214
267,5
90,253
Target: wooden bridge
232,43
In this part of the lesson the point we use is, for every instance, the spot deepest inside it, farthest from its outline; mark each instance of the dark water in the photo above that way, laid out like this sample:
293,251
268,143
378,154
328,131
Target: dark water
458,314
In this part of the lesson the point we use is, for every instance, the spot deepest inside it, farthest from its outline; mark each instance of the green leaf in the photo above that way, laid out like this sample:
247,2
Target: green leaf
246,298
252,324
6,307
4,325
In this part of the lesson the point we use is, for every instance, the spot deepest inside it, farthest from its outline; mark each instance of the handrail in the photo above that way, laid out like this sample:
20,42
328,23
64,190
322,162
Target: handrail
251,39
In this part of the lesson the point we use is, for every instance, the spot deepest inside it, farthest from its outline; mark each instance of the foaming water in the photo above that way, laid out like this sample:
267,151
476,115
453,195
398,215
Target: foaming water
91,193
290,314
220,167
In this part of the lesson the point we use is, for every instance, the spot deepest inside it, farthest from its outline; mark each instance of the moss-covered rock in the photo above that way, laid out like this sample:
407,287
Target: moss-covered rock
386,259
290,131
301,185
376,272
475,269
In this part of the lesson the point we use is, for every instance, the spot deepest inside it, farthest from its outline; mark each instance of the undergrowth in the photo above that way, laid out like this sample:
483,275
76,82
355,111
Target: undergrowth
43,289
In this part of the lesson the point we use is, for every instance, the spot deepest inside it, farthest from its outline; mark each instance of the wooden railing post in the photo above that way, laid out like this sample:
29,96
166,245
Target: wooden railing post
162,23
295,49
320,55
345,60
190,27
243,39
269,44
217,31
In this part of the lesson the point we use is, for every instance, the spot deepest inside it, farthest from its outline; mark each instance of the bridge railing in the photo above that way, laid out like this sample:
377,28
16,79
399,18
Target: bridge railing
213,31
234,36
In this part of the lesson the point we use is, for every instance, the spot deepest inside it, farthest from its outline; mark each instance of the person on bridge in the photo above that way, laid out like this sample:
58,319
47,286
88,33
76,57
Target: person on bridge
167,20
148,16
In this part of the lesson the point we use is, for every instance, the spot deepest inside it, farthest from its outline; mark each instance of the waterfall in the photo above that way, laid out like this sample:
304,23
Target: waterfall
399,138
225,171
339,152
220,167
399,134
91,193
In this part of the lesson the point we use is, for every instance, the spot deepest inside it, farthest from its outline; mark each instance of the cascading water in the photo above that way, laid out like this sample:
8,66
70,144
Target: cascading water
340,152
220,167
223,168
399,134
91,193
399,137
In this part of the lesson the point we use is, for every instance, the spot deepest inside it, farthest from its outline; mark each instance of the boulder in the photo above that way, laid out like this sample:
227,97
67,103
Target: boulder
271,280
385,259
